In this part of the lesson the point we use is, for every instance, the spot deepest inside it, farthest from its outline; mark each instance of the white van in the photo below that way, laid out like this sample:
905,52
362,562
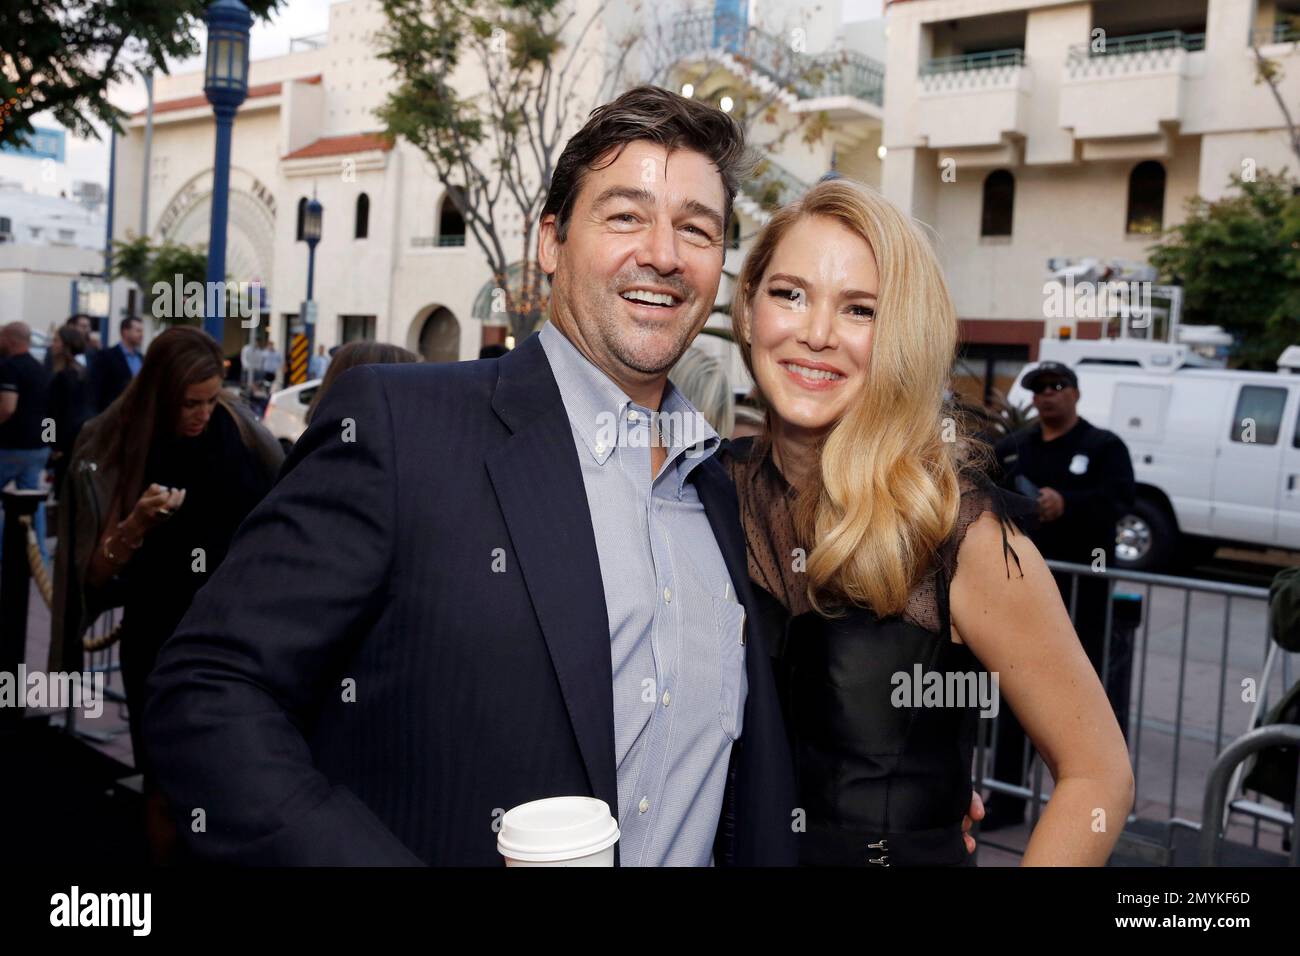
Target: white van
1216,452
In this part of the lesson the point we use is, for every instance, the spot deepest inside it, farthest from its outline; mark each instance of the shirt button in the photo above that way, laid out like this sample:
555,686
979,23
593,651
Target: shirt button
668,698
644,805
668,596
600,448
633,417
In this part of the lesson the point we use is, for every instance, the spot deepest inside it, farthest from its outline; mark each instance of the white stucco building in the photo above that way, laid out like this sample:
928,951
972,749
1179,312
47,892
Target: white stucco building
394,262
410,275
1019,130
51,255
1023,130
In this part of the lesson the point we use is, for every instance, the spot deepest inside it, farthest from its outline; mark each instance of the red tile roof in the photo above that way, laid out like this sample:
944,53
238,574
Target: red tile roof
341,145
189,102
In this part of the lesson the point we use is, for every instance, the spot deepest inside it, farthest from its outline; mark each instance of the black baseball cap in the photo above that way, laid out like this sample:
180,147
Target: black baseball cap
1050,370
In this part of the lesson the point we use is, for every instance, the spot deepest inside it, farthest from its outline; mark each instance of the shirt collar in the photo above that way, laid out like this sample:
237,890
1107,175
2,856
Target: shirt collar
688,434
603,415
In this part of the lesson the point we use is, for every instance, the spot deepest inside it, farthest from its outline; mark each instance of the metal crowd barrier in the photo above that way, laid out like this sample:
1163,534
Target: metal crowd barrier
103,659
19,568
1207,647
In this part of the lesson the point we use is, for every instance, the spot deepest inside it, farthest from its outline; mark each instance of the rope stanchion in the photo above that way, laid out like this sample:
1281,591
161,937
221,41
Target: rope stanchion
39,573
45,587
104,640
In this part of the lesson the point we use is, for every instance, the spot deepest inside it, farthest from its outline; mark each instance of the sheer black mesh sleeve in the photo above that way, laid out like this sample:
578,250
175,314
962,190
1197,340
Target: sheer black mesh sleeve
928,605
776,556
776,559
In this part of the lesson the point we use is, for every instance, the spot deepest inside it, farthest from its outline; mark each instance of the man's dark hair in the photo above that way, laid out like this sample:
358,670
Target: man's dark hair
77,316
126,323
657,115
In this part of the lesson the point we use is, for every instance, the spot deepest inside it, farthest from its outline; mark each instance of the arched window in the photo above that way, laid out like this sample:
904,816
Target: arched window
363,217
451,224
302,215
999,203
1146,198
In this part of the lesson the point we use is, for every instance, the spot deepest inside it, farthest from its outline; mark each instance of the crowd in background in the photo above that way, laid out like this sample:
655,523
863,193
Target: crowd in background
153,460
44,403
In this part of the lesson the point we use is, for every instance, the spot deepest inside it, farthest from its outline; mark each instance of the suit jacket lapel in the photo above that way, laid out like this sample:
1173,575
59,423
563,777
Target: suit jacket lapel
718,496
760,791
539,486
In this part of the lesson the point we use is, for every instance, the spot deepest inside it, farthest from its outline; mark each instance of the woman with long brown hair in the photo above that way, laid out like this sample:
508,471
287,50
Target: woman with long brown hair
71,402
160,482
903,582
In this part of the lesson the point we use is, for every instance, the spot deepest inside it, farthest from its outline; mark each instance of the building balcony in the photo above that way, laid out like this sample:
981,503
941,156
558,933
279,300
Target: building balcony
976,100
1128,87
842,81
1283,32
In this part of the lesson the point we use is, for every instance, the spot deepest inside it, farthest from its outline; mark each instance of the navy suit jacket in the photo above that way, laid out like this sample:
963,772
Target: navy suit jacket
109,375
409,636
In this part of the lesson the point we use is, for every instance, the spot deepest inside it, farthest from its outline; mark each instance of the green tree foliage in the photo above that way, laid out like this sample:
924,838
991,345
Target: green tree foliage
1238,261
63,55
492,133
147,265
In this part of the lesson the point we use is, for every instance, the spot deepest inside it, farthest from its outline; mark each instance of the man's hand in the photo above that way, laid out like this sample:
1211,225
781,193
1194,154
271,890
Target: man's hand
1050,504
976,813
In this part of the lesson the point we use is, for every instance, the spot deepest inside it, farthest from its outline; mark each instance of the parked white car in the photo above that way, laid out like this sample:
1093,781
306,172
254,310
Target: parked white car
1216,452
286,412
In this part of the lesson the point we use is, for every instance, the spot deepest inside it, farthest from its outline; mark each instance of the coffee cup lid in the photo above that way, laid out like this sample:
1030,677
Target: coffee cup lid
557,828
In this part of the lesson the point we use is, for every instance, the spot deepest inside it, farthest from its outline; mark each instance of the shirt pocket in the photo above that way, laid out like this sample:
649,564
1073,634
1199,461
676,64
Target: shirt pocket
733,681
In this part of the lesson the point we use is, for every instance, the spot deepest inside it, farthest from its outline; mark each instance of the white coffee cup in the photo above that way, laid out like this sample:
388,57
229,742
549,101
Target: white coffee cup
558,831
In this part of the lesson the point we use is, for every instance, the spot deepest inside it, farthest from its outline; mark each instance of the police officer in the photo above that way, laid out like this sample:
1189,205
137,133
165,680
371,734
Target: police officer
1082,478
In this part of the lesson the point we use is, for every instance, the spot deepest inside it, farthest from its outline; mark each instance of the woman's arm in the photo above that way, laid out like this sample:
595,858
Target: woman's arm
1020,630
119,541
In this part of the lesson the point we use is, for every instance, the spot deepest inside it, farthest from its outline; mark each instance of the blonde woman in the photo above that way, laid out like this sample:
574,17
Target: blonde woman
907,585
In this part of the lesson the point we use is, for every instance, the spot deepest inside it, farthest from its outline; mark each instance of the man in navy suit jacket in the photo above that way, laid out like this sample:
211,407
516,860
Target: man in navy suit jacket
443,609
112,369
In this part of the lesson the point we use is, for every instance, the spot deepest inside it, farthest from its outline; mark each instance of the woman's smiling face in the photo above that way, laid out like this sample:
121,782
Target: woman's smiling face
811,323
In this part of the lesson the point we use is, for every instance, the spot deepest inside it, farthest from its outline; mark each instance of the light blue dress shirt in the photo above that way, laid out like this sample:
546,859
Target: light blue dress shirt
133,360
676,628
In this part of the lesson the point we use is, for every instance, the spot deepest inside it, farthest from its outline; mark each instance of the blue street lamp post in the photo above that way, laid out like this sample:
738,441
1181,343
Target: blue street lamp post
311,228
226,86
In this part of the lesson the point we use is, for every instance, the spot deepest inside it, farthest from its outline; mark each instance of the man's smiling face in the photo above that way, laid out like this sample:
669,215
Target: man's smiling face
636,277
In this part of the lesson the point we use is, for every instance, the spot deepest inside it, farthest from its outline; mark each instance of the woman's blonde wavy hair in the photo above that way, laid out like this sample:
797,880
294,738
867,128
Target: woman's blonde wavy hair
887,492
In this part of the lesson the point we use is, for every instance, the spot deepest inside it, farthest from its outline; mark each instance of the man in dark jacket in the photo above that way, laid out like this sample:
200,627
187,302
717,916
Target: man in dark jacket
111,370
479,584
1082,478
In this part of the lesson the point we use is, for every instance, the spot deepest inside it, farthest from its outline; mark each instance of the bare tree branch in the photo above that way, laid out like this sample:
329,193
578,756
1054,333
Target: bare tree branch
1268,72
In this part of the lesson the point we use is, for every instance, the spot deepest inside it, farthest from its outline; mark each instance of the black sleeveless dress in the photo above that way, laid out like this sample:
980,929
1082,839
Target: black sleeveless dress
881,781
